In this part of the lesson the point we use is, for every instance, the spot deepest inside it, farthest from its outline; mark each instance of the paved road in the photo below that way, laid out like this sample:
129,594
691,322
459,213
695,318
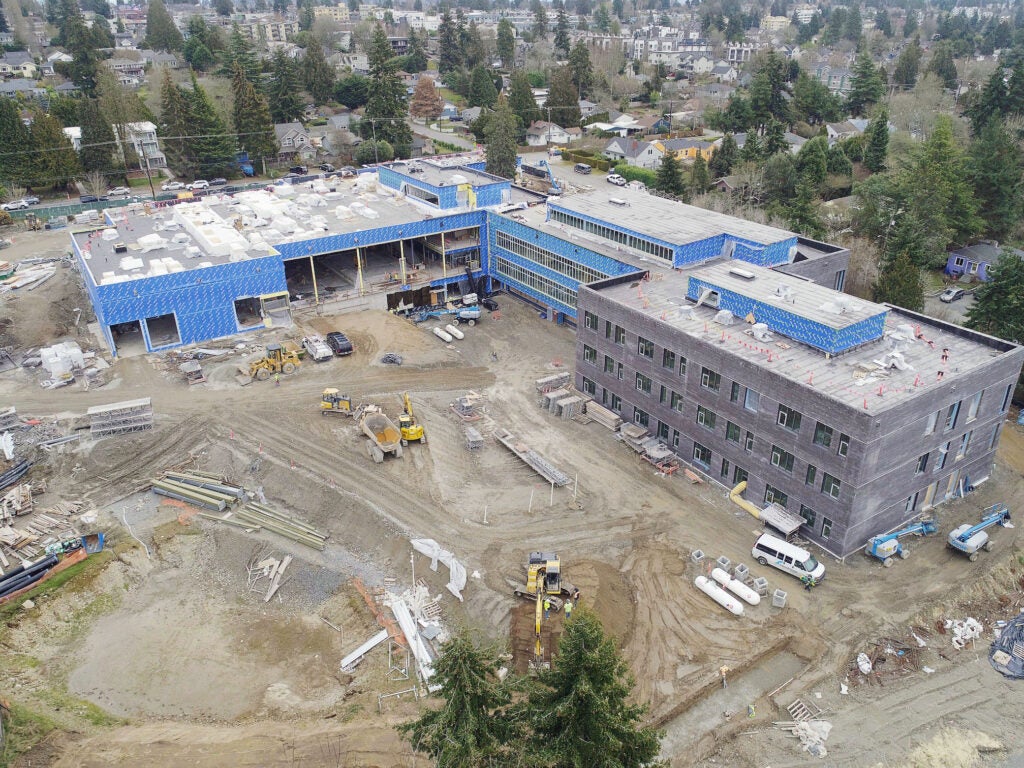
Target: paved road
451,138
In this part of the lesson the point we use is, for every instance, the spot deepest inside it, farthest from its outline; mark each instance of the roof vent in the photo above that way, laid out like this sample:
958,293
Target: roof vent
618,201
746,274
785,292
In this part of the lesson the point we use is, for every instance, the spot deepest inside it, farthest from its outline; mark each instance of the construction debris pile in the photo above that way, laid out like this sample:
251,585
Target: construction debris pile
889,658
1007,652
28,274
264,565
214,492
31,538
808,726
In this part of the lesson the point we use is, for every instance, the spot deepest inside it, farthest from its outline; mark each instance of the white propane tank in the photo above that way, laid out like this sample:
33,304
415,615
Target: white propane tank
719,595
455,332
442,335
736,586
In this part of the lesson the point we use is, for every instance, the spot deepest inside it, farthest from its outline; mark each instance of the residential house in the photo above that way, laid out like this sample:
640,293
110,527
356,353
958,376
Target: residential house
294,141
976,260
588,108
541,133
740,53
471,114
725,73
6,38
653,124
642,154
794,141
622,125
702,65
687,149
357,62
142,137
21,87
838,80
74,134
18,64
160,59
846,129
774,23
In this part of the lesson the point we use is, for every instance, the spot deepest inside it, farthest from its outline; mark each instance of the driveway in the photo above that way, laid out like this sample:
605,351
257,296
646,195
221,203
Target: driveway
954,312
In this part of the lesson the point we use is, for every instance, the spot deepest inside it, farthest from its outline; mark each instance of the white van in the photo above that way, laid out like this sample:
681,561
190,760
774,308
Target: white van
770,550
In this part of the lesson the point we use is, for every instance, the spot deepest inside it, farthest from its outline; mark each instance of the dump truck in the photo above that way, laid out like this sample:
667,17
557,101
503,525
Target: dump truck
384,436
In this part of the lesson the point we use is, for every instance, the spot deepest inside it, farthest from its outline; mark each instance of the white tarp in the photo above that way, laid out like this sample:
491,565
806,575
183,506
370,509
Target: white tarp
457,572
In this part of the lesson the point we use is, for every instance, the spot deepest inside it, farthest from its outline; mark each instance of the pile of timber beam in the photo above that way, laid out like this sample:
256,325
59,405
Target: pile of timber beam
260,516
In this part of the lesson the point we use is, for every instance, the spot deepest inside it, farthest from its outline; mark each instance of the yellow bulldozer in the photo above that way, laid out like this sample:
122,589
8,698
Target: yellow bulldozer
277,360
411,430
331,401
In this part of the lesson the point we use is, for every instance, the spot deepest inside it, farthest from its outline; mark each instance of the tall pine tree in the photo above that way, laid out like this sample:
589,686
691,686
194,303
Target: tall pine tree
384,118
520,99
317,74
501,141
562,39
876,145
994,164
212,146
97,138
251,114
563,103
54,161
175,124
161,33
866,87
283,89
899,283
14,140
449,44
669,178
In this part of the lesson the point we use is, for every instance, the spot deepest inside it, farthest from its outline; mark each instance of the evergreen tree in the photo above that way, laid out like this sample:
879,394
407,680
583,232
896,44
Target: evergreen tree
506,43
13,134
563,104
774,139
700,178
738,116
239,51
1015,89
474,49
468,729
482,92
251,116
877,141
994,165
883,23
769,91
581,68
385,115
97,150
812,161
907,66
866,87
834,27
943,66
910,25
562,39
813,102
752,151
374,152
991,104
54,161
669,178
353,91
174,126
283,89
540,22
853,26
802,214
602,19
197,54
65,109
83,68
416,57
501,141
998,307
161,34
449,44
899,283
837,161
580,714
426,103
521,101
212,147
317,74
780,178
723,160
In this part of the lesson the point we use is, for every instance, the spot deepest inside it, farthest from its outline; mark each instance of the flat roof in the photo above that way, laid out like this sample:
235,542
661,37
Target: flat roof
443,174
863,378
666,220
789,293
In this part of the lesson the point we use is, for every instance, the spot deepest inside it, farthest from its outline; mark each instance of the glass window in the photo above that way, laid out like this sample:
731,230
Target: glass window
609,365
702,455
734,392
620,334
973,406
809,515
773,494
710,379
645,348
965,445
1006,398
643,383
739,475
822,435
844,444
663,395
668,359
782,459
951,415
911,503
590,321
589,355
616,402
995,437
812,473
789,418
620,371
588,386
607,329
748,441
830,485
840,280
826,527
940,460
705,417
641,417
662,430
922,464
933,419
682,366
732,432
751,399
725,469
677,402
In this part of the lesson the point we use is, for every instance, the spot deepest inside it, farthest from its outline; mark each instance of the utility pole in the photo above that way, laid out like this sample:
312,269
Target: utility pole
145,160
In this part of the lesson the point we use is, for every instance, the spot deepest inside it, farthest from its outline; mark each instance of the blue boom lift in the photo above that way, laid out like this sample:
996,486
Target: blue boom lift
969,539
887,546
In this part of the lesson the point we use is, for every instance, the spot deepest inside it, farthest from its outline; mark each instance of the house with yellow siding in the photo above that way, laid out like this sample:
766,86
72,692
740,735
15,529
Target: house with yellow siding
686,149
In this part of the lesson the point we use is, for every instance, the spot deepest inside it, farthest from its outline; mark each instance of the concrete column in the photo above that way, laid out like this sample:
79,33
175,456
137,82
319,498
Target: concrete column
312,270
359,268
401,260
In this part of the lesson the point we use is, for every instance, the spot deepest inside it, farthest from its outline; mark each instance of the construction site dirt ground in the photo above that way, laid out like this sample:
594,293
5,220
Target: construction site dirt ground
163,657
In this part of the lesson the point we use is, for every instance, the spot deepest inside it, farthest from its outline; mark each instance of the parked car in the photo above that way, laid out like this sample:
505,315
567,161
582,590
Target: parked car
170,186
87,198
952,294
582,168
618,181
31,199
14,205
339,343
198,184
290,177
327,167
489,304
218,182
231,189
301,170
347,172
316,348
118,192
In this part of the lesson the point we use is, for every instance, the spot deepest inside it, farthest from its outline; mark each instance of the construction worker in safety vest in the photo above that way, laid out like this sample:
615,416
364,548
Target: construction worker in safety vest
568,608
547,608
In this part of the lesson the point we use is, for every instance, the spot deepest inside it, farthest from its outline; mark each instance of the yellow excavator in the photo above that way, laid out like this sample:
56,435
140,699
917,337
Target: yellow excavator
411,430
544,582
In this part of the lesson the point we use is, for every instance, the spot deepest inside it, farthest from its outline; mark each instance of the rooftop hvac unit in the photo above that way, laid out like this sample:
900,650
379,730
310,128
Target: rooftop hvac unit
785,292
725,317
760,332
618,201
746,274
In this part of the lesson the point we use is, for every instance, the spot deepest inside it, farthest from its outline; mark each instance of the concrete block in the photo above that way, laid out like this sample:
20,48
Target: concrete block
697,555
741,572
761,586
779,599
724,563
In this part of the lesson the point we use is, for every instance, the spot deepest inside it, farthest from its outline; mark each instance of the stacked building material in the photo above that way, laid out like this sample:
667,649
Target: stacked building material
262,516
474,439
9,419
120,418
603,416
555,381
193,494
549,398
534,460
